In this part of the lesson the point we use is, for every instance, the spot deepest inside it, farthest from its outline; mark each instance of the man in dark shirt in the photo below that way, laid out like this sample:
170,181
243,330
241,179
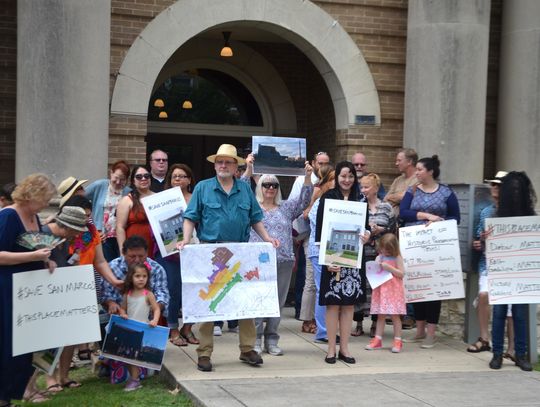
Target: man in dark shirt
159,163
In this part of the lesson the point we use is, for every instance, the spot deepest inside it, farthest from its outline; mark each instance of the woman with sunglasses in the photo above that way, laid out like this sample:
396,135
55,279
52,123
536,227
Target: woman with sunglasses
278,219
130,216
179,175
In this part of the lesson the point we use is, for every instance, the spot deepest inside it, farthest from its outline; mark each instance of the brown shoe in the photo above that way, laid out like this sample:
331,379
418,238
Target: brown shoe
204,364
251,357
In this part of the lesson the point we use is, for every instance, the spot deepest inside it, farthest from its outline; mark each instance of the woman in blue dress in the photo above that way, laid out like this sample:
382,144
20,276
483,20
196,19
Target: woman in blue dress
30,197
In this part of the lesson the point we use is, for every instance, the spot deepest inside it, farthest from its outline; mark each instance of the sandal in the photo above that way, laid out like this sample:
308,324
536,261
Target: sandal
85,354
72,384
480,345
178,341
306,327
358,331
509,356
190,338
55,388
37,397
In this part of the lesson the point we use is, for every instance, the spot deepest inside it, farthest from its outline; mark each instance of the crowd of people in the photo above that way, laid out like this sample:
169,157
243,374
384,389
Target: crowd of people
105,225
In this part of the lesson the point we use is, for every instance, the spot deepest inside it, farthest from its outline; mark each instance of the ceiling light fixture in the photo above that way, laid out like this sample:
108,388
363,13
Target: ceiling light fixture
159,103
226,51
163,115
187,104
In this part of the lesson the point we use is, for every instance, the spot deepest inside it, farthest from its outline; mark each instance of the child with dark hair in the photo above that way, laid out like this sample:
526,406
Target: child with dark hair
5,194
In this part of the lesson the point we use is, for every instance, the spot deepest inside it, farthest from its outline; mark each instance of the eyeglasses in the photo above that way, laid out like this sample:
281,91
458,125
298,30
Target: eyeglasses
222,162
360,165
140,177
270,185
161,160
179,177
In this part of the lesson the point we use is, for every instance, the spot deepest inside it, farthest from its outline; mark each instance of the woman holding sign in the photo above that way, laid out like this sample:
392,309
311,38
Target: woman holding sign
30,197
516,198
341,287
427,202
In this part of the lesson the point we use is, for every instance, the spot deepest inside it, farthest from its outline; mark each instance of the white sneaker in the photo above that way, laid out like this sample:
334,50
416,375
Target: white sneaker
217,330
274,350
258,347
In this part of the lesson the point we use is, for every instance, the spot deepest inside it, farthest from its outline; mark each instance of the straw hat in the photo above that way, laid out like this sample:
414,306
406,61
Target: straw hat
498,177
73,217
226,150
67,187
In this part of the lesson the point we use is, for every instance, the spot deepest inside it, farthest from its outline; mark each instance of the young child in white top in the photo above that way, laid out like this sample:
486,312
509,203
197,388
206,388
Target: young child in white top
137,303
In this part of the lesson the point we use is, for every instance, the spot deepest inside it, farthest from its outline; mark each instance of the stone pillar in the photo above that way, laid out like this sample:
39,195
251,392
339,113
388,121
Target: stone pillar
518,145
63,52
445,84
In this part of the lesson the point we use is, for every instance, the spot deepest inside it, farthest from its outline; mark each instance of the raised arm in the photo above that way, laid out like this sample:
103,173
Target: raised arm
122,213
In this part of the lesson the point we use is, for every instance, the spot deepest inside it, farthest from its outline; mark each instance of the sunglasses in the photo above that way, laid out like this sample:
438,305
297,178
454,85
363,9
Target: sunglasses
270,185
142,176
161,160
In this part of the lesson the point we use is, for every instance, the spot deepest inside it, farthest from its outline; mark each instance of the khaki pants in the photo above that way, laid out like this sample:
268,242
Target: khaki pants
247,336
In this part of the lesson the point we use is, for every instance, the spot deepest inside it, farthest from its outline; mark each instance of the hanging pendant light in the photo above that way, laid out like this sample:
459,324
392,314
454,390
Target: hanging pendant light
163,115
159,103
187,104
226,51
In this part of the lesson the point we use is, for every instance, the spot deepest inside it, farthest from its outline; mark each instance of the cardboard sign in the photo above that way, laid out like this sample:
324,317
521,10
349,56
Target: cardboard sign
432,262
513,260
164,211
229,281
54,310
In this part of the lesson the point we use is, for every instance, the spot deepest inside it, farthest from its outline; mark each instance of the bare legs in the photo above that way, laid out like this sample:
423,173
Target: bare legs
342,316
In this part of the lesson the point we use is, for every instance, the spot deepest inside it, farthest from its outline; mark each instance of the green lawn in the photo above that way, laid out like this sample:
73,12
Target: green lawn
349,256
99,392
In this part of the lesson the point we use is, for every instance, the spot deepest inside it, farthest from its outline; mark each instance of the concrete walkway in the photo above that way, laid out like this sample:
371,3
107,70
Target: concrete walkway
446,375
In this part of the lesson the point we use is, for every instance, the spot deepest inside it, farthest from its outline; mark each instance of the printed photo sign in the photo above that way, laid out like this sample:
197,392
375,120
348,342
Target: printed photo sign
164,211
54,310
343,223
432,262
513,260
229,281
279,155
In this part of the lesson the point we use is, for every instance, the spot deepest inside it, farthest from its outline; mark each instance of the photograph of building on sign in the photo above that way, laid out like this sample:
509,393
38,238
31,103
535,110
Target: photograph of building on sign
279,155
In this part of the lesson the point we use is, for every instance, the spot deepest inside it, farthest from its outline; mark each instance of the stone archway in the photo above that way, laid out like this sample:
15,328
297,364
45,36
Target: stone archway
315,33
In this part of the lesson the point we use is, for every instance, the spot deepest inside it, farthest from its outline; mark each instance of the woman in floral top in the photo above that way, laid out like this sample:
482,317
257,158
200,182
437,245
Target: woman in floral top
278,218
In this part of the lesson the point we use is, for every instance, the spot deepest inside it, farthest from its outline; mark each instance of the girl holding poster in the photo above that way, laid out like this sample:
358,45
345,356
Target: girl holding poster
389,297
341,287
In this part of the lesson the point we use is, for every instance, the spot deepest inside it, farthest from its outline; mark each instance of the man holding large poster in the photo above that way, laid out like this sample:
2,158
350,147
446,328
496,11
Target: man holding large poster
224,210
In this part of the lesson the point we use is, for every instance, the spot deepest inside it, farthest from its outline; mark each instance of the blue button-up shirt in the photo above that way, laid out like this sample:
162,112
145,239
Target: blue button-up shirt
158,283
222,217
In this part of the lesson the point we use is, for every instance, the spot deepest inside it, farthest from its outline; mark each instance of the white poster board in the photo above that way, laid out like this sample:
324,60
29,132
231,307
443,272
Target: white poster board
164,211
54,310
343,223
229,281
279,155
432,262
513,260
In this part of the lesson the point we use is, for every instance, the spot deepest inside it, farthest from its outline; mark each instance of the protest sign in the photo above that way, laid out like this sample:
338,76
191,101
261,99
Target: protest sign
164,211
53,310
513,260
343,223
376,275
135,342
432,262
229,281
279,155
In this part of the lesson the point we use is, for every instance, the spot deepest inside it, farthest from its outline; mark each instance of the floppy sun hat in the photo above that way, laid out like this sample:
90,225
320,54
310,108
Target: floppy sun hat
497,180
68,186
226,150
73,217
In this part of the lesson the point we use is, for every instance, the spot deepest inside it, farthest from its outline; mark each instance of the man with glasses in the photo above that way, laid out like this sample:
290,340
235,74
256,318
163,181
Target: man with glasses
224,210
360,165
159,163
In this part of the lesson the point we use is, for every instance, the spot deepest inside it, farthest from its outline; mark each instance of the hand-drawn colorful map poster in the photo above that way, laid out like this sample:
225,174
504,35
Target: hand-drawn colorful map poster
227,281
513,260
432,262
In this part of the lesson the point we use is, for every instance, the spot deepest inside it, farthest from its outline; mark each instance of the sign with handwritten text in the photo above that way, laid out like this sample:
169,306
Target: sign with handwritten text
432,262
513,260
53,310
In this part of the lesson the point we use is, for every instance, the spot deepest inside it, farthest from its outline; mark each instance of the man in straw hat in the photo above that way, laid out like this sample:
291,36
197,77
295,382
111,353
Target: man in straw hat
225,210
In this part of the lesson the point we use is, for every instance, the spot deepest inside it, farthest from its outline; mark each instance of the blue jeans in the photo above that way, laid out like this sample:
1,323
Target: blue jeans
320,310
174,284
519,315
